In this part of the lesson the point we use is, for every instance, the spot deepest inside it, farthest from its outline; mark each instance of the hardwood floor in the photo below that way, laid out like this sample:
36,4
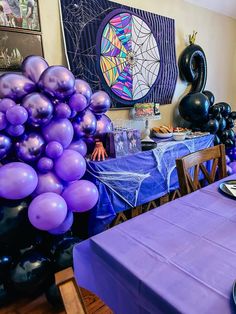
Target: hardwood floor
41,306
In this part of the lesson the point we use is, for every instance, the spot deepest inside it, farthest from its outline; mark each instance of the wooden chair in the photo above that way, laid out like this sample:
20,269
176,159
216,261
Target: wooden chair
189,182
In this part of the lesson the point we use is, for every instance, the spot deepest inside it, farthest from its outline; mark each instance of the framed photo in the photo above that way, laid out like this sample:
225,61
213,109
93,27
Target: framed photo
16,45
22,14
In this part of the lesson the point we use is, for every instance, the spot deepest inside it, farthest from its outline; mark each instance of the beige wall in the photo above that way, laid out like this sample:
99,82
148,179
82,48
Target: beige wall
216,35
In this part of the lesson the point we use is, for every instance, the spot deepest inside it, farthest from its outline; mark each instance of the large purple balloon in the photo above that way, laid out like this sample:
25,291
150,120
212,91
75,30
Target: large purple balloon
81,196
47,211
48,182
15,86
39,107
83,88
17,180
60,131
17,115
58,82
100,102
104,125
70,166
85,124
65,226
30,148
78,102
5,104
5,145
79,146
33,67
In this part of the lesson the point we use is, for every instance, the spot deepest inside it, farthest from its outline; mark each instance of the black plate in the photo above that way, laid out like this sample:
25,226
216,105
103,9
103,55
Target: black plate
225,191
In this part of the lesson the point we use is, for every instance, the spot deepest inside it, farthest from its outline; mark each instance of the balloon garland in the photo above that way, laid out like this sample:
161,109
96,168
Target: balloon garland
198,107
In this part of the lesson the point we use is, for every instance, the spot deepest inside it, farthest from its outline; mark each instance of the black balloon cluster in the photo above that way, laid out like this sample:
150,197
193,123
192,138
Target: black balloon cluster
198,106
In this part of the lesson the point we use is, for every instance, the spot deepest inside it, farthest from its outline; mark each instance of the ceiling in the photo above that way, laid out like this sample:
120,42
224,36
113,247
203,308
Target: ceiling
225,7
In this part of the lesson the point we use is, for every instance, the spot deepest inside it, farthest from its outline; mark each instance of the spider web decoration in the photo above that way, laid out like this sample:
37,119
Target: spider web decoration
128,52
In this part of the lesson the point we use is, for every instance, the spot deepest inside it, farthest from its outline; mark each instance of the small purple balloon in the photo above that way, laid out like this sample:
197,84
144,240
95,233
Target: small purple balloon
17,115
15,86
5,145
70,166
83,88
48,182
85,124
15,130
58,82
47,211
63,111
65,226
5,104
78,102
79,146
39,107
17,180
45,164
100,102
33,67
81,196
30,148
3,121
60,131
54,150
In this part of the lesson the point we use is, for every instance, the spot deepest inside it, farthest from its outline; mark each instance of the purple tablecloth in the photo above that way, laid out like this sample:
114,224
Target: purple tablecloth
178,258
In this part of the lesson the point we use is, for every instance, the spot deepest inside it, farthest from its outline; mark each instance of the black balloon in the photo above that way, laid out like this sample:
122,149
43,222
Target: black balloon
222,124
210,97
215,110
217,140
229,143
4,294
229,122
224,135
218,116
7,260
231,134
233,115
211,126
53,296
225,108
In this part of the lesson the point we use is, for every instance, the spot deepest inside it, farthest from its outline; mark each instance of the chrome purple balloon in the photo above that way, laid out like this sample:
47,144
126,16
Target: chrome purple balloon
78,102
30,148
15,86
62,111
83,88
100,102
5,104
54,150
5,145
48,182
79,146
85,124
58,82
45,164
39,107
65,226
104,125
3,121
33,67
15,130
17,115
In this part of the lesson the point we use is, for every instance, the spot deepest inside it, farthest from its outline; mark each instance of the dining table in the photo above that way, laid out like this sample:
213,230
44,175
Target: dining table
177,258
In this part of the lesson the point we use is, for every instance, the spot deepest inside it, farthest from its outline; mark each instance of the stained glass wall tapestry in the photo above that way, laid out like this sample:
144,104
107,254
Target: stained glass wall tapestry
128,52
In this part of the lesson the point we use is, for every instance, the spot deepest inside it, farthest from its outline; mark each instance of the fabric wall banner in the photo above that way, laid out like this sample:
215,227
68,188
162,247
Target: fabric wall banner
125,51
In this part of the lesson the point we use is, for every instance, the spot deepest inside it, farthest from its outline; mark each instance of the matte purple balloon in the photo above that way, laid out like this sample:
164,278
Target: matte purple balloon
229,170
17,115
15,130
232,165
83,88
62,111
54,150
5,145
45,164
85,124
65,226
47,211
58,82
33,67
81,196
104,125
48,182
79,146
5,104
60,131
30,148
70,166
3,121
15,86
39,107
17,180
78,102
100,102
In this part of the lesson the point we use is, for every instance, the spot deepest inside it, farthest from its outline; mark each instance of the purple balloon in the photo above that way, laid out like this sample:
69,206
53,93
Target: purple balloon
58,82
227,159
81,196
47,211
15,86
39,107
100,102
229,170
15,130
33,67
3,121
79,146
70,166
78,102
6,104
60,131
17,115
48,182
54,150
232,165
45,164
104,125
85,124
62,111
17,180
5,145
83,88
65,226
30,148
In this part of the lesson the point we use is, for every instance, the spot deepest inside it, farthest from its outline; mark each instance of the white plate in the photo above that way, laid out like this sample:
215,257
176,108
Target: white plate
162,135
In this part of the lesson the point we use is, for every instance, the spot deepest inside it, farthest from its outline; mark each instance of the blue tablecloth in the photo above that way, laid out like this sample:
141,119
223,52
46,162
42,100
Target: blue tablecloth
132,180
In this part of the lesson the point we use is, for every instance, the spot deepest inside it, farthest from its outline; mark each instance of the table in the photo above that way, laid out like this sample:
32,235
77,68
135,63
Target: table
177,258
132,180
